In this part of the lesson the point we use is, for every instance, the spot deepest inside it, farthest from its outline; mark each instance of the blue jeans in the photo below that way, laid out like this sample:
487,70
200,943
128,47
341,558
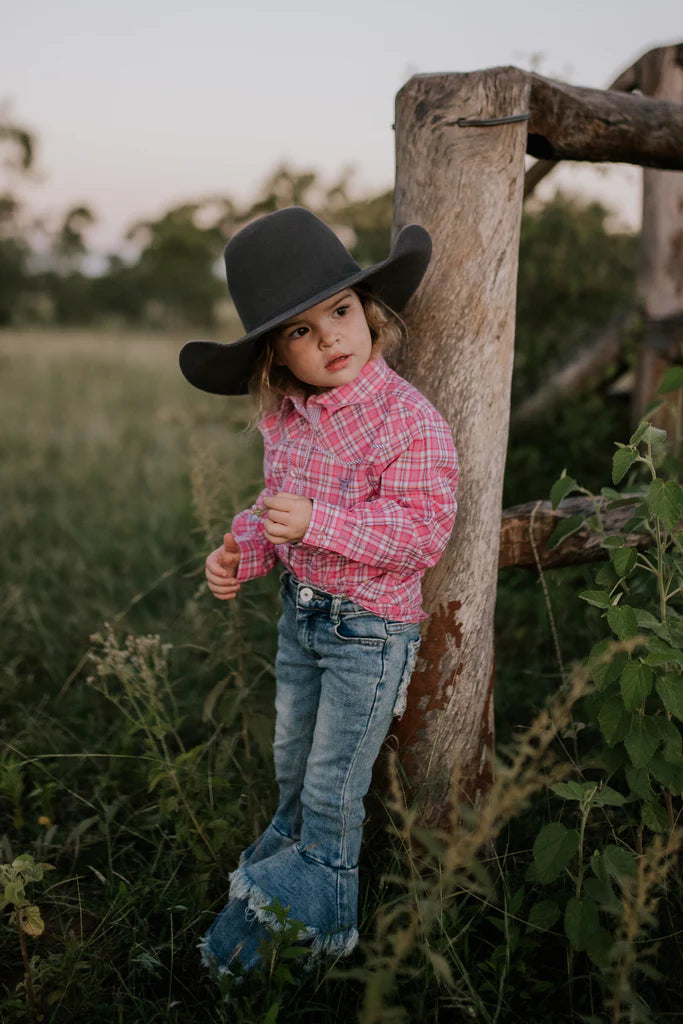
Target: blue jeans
342,674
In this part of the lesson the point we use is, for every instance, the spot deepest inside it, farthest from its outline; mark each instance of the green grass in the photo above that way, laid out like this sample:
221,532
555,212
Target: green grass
137,720
99,434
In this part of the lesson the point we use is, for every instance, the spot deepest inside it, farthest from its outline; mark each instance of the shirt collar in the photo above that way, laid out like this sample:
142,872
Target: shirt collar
361,389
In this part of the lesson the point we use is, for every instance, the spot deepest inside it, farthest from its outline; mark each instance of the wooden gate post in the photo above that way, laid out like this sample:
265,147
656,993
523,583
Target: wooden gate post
464,184
660,270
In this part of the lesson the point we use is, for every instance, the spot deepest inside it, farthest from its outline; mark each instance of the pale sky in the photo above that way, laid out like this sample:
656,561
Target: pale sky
142,103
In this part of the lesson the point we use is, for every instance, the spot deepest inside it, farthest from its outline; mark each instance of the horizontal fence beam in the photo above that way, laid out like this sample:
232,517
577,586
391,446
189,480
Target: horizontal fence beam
569,122
528,526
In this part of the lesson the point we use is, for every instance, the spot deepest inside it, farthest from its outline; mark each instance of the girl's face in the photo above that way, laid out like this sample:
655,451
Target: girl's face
328,344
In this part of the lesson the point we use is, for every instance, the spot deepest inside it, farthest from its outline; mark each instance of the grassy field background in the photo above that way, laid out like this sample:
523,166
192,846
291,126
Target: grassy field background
137,722
117,477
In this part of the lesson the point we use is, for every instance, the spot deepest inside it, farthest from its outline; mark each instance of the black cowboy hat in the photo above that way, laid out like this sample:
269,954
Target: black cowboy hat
282,264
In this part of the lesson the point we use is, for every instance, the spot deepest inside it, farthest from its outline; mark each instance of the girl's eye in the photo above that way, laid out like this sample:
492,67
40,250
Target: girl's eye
295,333
342,310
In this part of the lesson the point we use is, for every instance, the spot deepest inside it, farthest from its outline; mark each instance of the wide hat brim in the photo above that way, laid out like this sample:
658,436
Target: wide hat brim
225,369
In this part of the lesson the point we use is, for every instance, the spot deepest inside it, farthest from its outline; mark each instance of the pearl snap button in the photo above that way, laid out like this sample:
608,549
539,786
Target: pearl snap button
305,594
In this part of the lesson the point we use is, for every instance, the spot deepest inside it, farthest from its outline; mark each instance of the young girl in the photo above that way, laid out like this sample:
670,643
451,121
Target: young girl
360,478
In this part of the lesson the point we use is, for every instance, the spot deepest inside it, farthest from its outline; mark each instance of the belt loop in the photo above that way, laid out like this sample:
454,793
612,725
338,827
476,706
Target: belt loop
335,605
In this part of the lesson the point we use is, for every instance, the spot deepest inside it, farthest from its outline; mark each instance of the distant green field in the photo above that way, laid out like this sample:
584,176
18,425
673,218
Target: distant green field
98,434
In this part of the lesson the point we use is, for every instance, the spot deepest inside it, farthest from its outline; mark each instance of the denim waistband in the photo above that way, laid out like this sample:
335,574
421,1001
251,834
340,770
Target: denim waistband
308,597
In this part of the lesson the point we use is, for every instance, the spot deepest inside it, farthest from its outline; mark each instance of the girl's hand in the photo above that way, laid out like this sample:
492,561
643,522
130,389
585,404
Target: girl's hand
221,567
287,519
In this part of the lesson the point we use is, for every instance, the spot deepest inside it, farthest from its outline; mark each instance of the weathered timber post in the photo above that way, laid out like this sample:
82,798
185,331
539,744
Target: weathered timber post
660,271
464,184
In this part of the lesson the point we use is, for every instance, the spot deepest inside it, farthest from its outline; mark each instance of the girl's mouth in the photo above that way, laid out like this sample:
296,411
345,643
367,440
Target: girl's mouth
338,363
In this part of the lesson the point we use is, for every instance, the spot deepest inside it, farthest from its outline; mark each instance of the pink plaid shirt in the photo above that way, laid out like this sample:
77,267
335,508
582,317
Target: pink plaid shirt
379,464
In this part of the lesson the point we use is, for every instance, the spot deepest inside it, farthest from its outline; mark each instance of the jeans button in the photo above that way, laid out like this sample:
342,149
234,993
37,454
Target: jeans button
305,594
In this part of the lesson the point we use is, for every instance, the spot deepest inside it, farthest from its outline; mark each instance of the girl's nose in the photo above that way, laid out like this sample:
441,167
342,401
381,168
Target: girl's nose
327,339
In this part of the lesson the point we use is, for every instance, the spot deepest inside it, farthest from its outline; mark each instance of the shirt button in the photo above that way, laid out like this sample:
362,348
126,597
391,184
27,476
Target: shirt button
305,594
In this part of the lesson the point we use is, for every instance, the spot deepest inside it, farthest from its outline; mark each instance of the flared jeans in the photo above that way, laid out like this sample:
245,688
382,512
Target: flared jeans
342,674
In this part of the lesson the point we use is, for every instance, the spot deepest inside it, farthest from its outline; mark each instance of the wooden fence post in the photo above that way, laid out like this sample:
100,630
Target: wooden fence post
660,270
464,184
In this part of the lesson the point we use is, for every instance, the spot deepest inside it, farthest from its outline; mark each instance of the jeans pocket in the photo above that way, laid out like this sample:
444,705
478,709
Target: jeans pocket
361,628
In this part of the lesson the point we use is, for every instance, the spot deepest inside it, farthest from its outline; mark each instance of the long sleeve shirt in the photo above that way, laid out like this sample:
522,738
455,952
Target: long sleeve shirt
378,462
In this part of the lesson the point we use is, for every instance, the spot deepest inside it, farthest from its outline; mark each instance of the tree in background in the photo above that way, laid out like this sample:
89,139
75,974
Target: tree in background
176,269
365,223
177,277
64,283
17,148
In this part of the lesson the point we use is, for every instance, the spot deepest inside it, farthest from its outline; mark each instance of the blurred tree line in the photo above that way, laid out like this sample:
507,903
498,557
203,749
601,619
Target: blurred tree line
573,271
174,276
574,274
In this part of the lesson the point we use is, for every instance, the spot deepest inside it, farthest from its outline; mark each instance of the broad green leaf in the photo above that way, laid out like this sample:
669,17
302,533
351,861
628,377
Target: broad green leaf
639,782
554,847
273,1013
666,501
622,460
564,529
561,489
599,947
573,790
619,861
622,621
618,499
636,684
24,862
598,867
598,598
662,770
646,620
604,667
544,914
670,690
642,741
614,720
515,902
613,541
671,739
14,892
672,380
634,524
580,921
676,785
674,623
624,561
655,436
609,492
608,796
606,576
660,652
31,921
601,892
639,432
654,817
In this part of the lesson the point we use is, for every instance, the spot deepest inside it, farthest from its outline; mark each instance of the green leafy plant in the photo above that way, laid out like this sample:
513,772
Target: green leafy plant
14,878
628,754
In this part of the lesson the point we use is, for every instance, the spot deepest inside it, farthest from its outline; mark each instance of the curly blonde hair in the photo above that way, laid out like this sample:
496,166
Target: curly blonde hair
270,382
